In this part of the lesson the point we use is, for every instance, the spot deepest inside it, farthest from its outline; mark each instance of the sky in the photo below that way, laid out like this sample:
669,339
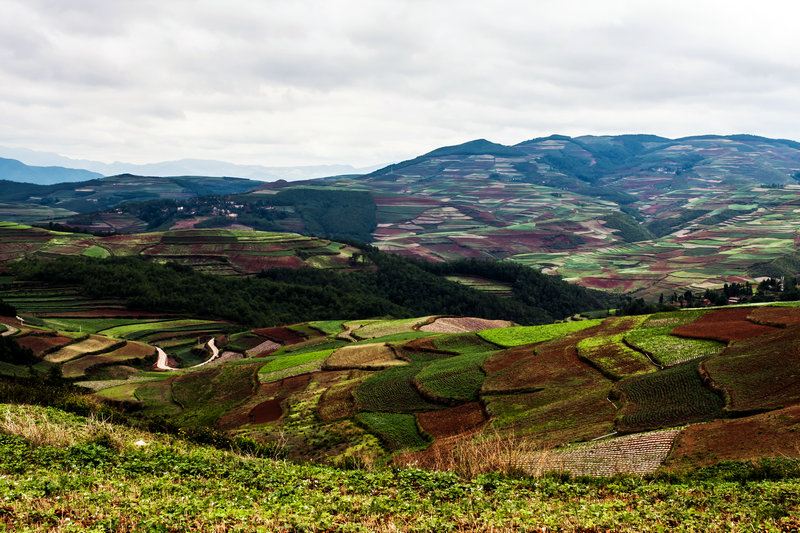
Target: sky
367,82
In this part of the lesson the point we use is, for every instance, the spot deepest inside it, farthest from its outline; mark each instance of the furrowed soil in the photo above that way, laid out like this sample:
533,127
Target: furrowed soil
723,325
772,434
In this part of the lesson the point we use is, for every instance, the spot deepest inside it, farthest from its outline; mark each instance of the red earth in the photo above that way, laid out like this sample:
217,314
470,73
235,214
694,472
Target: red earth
724,325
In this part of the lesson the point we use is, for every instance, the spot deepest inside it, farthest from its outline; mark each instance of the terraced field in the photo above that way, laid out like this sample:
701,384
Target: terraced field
671,397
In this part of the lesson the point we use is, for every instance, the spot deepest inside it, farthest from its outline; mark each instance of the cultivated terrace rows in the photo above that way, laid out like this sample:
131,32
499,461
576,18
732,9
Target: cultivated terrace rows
436,390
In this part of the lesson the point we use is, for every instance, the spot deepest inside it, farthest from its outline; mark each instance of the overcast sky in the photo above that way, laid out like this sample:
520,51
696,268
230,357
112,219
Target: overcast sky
366,82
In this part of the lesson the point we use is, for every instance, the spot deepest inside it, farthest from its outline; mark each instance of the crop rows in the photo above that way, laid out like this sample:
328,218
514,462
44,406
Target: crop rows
289,365
612,357
398,430
363,356
453,380
639,454
521,335
393,390
667,398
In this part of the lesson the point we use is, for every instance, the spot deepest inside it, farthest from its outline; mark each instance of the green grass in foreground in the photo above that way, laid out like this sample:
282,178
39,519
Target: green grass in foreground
520,335
89,476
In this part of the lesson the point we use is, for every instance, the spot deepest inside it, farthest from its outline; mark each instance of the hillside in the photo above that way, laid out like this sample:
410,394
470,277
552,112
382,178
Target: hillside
629,213
13,170
85,474
668,392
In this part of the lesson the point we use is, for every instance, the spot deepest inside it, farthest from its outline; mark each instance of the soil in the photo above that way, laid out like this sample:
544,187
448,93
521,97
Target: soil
268,411
773,434
724,325
465,418
463,325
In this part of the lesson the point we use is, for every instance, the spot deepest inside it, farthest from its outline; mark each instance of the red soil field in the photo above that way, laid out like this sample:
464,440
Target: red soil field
41,345
772,434
268,411
502,360
280,334
454,421
724,325
776,316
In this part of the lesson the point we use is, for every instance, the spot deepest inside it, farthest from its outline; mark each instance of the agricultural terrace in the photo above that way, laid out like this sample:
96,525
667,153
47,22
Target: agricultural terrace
292,365
611,356
393,390
384,328
723,325
363,356
141,329
667,398
759,373
654,338
453,380
521,335
399,431
95,344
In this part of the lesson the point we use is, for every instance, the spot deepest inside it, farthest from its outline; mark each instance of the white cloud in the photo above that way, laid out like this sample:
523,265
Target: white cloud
294,82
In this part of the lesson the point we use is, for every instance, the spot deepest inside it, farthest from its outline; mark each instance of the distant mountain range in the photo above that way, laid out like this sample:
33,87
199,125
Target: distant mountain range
56,166
628,212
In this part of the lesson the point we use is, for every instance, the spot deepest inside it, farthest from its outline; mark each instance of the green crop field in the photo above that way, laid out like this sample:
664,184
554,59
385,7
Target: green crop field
653,337
667,398
141,328
398,430
393,390
521,335
611,356
453,380
288,365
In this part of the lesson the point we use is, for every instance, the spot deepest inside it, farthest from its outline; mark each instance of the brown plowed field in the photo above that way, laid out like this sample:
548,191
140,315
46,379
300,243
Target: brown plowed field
42,344
723,325
463,325
501,360
552,364
759,373
131,350
465,418
363,356
268,411
280,334
772,434
776,316
94,343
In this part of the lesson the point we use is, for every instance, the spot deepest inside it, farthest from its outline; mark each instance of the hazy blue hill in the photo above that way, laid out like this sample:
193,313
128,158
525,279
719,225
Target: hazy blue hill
13,170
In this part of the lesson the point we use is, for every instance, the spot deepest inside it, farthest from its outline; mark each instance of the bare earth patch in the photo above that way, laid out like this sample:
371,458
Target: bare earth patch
463,325
363,356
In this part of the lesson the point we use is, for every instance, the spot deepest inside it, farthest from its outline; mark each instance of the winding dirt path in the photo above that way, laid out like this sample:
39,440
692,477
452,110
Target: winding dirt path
161,363
10,330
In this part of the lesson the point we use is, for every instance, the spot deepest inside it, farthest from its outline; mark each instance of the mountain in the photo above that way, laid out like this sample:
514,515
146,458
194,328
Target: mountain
13,170
106,193
183,167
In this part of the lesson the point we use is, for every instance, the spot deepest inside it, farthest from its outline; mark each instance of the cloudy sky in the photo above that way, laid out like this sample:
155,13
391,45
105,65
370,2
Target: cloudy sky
366,82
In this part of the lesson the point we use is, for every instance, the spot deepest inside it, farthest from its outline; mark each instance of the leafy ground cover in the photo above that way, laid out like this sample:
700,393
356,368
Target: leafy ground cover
666,398
139,328
520,335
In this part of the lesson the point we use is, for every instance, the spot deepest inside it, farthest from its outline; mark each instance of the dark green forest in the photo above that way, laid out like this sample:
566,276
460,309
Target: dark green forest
398,287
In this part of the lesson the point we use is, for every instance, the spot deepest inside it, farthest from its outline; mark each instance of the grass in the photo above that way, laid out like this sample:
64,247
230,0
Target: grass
88,325
521,335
